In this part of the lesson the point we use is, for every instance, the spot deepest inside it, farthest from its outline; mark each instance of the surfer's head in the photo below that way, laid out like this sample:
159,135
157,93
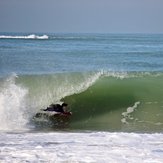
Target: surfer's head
64,106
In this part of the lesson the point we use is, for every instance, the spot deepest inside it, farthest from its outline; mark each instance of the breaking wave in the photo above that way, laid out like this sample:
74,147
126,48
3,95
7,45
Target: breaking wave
32,36
12,105
99,100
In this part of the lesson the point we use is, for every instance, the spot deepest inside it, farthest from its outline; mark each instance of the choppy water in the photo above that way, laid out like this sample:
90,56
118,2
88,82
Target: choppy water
112,83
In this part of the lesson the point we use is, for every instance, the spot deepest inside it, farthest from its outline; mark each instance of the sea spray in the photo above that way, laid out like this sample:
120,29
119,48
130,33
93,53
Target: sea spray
12,105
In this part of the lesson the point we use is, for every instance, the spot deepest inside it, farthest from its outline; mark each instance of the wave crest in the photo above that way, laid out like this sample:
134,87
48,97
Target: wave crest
32,36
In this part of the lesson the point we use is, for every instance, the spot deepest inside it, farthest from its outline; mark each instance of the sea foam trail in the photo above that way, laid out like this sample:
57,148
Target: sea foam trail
32,36
12,105
127,115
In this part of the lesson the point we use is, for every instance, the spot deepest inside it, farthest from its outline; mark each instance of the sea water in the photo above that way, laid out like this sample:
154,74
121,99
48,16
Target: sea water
112,83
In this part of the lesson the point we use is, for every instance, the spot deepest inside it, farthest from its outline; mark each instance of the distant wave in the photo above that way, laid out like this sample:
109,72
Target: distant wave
32,36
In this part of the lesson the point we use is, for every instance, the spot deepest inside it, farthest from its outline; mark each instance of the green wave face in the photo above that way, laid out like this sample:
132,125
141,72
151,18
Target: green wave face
134,103
98,100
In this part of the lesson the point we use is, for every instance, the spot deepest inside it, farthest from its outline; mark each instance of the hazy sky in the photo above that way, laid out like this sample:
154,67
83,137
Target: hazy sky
111,16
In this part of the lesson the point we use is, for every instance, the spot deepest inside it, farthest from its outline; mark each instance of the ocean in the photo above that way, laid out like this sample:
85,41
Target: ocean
111,82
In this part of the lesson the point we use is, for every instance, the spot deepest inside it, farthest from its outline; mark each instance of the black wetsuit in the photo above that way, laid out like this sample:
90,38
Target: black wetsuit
55,107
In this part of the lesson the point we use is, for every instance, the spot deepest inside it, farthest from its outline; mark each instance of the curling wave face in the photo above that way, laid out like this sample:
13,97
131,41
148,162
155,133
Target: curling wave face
98,100
129,103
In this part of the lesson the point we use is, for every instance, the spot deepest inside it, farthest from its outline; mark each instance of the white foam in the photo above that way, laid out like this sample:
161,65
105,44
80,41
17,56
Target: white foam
32,36
101,147
12,105
127,115
110,73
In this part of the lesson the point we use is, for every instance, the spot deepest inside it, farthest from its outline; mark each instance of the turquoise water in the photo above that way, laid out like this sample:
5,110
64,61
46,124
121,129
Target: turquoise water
112,82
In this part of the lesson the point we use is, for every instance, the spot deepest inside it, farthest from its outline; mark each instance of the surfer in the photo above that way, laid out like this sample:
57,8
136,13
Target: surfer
58,108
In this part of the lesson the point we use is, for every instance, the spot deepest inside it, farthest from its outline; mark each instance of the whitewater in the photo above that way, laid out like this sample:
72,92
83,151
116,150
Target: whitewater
31,36
81,147
112,83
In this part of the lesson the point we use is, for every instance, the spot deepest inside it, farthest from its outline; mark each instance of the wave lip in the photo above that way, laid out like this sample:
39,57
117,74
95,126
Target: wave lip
31,36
